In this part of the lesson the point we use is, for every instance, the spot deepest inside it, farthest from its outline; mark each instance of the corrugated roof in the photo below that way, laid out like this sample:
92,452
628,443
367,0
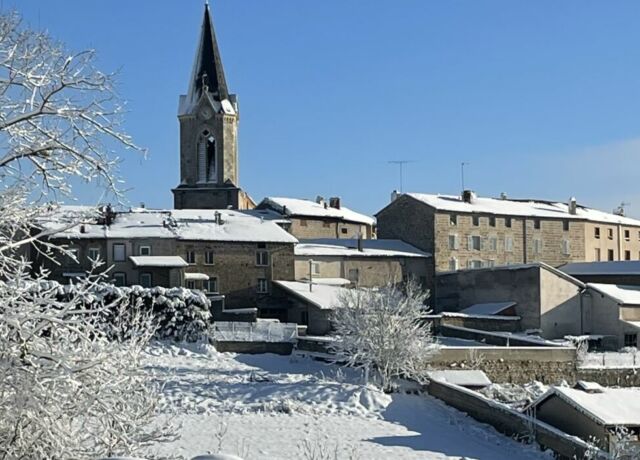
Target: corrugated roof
618,267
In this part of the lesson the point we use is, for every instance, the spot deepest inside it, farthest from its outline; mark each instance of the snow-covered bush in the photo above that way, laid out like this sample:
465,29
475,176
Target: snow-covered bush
384,330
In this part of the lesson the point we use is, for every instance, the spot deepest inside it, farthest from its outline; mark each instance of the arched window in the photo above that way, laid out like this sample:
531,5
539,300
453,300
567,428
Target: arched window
207,170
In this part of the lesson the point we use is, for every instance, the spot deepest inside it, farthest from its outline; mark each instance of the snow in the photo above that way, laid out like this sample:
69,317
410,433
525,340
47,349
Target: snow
183,224
464,378
158,261
528,208
309,208
611,406
492,308
349,248
611,360
619,267
329,281
323,296
626,295
271,405
196,276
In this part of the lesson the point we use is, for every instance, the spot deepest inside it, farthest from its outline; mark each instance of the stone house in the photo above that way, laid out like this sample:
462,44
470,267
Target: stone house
473,232
362,263
306,219
613,311
591,412
232,253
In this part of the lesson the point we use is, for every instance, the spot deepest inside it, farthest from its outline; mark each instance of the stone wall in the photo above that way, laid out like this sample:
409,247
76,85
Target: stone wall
305,228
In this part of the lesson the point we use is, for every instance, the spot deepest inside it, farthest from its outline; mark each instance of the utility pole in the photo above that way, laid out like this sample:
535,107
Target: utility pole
462,165
401,163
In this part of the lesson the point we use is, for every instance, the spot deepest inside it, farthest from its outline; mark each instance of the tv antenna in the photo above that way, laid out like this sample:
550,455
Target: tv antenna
401,163
620,209
462,165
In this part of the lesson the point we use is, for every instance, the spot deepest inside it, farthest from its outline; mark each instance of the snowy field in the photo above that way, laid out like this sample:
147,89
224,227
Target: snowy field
271,407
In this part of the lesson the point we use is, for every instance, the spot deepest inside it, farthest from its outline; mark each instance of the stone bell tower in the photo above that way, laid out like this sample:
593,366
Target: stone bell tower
208,117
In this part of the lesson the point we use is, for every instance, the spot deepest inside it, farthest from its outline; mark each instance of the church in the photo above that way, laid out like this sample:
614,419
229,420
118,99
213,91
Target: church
209,116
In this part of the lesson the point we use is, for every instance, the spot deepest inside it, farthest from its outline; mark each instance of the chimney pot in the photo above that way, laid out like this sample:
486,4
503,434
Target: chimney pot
334,202
394,195
468,196
573,206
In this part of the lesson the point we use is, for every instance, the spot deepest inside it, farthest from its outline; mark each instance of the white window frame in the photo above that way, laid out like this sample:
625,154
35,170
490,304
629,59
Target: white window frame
123,278
472,245
212,280
315,268
537,246
453,241
262,258
142,248
209,257
191,257
566,247
93,254
190,284
146,275
493,243
115,252
263,286
508,244
453,264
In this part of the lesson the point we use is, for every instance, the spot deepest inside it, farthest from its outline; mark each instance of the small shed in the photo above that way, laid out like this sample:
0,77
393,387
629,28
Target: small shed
467,378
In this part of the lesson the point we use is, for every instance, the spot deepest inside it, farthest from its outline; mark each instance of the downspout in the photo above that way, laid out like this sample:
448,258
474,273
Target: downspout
524,240
619,242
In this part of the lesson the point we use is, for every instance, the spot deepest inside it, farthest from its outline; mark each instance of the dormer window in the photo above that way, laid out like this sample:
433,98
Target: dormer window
207,170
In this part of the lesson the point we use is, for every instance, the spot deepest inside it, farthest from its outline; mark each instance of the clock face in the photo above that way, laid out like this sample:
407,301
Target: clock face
206,113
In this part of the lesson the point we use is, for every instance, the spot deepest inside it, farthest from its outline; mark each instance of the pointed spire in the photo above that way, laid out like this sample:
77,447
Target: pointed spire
207,67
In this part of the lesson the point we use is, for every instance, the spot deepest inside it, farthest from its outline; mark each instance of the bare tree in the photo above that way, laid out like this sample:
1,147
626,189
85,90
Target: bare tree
384,330
69,388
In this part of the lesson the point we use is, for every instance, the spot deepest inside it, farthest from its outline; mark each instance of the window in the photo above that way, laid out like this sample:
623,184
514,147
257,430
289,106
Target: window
263,286
208,257
120,279
537,246
344,230
191,257
453,219
536,224
610,233
631,340
145,250
326,224
566,247
627,235
596,232
453,241
304,317
211,285
565,225
315,268
627,255
492,221
145,280
474,264
493,243
476,220
474,243
507,222
119,252
508,244
94,253
206,157
262,245
453,264
353,275
491,263
191,284
303,222
262,258
610,254
597,256
73,255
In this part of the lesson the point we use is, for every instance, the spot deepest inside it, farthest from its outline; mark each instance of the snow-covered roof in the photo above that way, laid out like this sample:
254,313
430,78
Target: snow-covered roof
463,378
309,208
328,281
158,261
492,308
349,248
610,406
183,224
618,267
323,296
196,276
635,324
629,295
524,208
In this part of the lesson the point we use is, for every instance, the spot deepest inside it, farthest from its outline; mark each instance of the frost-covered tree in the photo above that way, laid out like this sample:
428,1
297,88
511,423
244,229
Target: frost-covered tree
384,331
70,383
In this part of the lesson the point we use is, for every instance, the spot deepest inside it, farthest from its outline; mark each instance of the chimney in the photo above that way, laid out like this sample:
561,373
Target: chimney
142,204
573,206
218,217
83,229
468,196
394,195
109,215
320,200
503,196
334,202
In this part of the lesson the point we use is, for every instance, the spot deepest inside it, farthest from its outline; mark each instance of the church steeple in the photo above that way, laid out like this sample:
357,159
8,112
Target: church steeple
207,66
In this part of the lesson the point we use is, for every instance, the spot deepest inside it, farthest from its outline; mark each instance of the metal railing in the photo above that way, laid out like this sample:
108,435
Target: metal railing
261,331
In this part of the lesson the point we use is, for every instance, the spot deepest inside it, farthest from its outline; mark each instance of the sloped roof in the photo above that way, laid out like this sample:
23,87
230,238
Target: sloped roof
463,378
618,267
158,261
349,248
309,208
323,296
491,308
629,295
611,406
524,208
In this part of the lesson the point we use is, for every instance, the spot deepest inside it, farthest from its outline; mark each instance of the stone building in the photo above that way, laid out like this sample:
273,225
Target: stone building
307,219
209,116
362,263
229,252
472,232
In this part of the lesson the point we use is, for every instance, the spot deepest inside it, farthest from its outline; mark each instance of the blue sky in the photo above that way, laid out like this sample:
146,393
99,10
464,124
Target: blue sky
541,98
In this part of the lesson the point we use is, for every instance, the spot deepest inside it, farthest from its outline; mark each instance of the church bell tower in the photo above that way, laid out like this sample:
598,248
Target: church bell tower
208,117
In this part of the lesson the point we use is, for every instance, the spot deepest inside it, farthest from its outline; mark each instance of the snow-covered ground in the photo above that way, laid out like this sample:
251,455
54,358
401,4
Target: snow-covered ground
611,359
276,407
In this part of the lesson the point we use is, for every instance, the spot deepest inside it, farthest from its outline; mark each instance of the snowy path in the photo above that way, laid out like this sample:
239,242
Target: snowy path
272,404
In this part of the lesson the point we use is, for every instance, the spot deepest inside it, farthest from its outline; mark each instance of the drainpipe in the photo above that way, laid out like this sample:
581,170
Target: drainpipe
310,275
581,294
524,240
619,242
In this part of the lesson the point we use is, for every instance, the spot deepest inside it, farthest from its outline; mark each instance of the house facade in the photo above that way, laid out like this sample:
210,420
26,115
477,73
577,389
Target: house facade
473,232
